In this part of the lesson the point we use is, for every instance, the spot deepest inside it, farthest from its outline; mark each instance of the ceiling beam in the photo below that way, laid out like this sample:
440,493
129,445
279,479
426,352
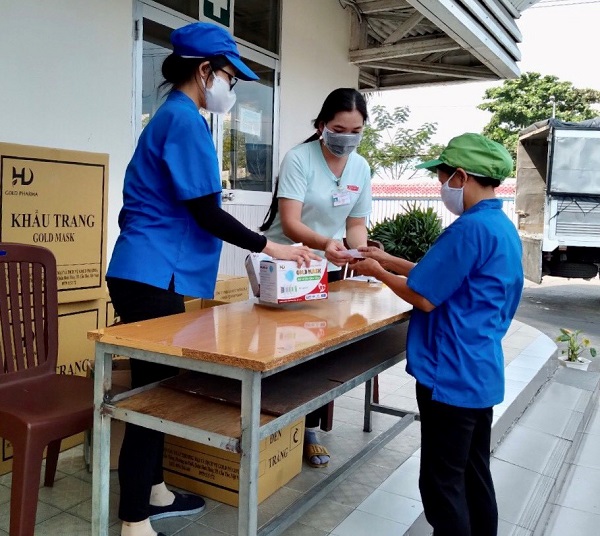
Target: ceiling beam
376,6
404,28
408,47
492,27
475,73
512,10
396,16
451,18
368,79
506,20
433,58
399,81
359,30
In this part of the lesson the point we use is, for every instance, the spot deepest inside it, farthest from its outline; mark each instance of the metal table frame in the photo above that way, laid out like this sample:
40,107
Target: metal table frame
106,408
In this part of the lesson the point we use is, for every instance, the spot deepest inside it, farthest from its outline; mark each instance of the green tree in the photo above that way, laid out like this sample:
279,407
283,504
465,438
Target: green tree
518,103
392,150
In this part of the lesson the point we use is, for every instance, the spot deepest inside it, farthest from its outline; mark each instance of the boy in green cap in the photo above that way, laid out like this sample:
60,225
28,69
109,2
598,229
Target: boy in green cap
465,292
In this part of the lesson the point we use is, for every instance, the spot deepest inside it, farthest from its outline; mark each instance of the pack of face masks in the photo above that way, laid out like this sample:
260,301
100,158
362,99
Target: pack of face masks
252,264
285,282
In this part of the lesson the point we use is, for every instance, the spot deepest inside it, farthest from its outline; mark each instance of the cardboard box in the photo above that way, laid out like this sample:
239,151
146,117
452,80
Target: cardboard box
214,473
283,282
229,289
75,353
58,199
201,303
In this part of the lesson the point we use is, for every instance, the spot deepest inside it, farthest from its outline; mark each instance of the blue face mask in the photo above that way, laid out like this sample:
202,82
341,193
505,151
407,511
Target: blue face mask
453,198
340,144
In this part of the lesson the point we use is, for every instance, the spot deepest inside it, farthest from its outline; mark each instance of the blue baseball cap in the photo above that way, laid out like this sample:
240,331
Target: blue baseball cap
205,40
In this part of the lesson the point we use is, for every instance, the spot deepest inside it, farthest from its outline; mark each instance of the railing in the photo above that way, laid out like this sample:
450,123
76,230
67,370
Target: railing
388,207
232,258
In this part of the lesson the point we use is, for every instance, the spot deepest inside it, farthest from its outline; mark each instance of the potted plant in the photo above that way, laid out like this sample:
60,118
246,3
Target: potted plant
410,233
576,345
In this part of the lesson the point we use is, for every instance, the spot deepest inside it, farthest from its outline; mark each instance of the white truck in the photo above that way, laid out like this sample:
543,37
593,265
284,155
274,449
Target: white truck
558,198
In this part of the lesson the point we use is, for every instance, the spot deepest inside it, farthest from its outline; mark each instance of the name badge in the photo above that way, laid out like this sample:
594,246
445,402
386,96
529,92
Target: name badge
340,198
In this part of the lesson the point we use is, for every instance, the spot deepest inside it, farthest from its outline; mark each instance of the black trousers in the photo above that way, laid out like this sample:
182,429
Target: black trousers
140,461
455,480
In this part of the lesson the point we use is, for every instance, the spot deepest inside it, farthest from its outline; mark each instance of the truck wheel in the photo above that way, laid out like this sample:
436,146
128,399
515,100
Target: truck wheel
574,270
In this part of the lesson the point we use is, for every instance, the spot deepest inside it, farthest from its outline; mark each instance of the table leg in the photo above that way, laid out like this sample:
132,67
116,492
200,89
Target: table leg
101,445
367,424
248,494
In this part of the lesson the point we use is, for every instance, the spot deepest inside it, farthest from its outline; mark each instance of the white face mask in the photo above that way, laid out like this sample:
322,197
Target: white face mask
219,97
340,144
453,197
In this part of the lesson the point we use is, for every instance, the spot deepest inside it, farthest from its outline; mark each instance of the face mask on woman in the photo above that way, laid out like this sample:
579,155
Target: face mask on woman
453,197
340,144
219,97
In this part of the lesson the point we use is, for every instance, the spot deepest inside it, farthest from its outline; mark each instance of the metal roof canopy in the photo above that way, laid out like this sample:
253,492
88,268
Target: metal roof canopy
400,43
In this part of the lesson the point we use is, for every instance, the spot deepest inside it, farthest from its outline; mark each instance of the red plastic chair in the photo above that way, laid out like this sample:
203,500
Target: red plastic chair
38,407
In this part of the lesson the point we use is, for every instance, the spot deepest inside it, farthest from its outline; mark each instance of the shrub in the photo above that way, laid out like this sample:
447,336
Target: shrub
410,233
576,345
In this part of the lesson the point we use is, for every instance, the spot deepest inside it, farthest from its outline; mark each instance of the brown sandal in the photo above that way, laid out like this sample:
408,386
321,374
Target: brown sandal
313,449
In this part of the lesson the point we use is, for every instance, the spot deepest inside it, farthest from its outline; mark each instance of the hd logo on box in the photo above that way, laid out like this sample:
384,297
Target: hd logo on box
283,282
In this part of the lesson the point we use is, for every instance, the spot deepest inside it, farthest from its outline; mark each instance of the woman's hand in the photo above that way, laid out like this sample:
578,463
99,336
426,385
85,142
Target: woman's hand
335,252
388,262
368,267
372,252
300,254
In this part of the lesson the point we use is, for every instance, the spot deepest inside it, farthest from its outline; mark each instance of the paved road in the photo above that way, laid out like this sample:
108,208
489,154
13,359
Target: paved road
569,303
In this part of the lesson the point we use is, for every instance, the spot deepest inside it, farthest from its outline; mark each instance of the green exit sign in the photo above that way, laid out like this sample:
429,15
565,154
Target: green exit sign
219,11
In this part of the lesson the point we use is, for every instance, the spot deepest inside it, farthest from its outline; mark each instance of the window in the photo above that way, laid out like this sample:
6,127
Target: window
244,138
248,133
257,22
191,8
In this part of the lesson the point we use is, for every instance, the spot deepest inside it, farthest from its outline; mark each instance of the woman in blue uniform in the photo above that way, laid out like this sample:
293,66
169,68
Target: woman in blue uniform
465,292
171,231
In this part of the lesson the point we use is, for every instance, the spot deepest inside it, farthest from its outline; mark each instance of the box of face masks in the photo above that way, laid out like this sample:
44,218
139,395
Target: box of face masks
285,282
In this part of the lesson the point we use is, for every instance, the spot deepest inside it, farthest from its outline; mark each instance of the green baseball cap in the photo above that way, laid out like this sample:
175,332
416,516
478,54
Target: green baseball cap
477,155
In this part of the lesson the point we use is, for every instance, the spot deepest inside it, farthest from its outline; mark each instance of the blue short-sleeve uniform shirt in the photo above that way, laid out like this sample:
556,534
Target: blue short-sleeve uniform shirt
474,277
175,160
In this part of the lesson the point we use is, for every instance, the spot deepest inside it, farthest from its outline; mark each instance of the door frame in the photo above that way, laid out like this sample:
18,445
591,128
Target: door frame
172,19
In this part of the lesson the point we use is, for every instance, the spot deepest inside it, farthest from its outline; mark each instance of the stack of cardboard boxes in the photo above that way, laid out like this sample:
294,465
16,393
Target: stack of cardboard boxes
58,199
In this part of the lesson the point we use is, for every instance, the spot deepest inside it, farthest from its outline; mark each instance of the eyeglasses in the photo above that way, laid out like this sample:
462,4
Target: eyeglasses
233,80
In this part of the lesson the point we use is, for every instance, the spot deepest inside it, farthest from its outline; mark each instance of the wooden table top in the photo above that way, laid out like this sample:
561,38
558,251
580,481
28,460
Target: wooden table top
259,337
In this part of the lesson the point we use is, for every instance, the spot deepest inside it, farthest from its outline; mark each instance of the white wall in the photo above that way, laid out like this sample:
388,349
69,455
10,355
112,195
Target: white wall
66,80
315,44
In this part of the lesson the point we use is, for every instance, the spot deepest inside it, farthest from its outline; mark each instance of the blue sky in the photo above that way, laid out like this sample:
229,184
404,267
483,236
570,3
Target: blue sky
559,41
